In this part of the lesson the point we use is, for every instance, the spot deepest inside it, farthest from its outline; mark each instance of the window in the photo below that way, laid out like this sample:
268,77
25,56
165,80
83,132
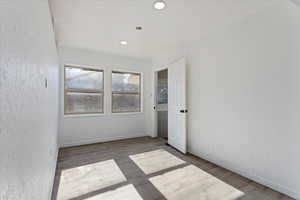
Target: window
126,92
83,90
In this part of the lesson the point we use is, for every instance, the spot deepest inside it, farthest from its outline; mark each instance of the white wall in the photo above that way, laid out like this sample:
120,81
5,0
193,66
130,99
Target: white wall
243,97
28,110
77,130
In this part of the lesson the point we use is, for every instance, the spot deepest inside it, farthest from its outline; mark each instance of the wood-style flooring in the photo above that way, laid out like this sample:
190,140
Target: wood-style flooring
114,170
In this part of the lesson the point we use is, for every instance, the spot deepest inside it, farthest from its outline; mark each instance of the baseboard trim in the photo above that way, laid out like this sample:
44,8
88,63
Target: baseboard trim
278,187
99,140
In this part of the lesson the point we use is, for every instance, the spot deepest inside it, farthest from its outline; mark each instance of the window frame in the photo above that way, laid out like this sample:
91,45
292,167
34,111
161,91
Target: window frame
83,91
127,92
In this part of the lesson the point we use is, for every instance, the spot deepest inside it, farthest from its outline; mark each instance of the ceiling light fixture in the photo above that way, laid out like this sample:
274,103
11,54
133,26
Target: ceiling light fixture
159,5
123,42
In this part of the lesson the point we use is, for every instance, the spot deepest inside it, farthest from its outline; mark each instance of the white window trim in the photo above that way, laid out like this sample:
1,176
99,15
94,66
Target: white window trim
141,92
107,110
66,115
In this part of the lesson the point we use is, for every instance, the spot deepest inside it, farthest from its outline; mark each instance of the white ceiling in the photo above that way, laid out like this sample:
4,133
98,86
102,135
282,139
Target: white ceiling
297,2
99,25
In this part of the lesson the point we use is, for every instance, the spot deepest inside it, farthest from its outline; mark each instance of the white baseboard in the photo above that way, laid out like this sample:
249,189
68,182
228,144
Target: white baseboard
98,140
258,179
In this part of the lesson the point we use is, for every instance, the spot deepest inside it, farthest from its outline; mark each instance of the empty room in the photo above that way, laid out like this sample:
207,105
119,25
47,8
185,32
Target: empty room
149,99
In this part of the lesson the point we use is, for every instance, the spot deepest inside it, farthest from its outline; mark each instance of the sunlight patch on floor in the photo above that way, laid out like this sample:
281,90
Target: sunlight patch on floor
192,183
155,161
81,180
127,192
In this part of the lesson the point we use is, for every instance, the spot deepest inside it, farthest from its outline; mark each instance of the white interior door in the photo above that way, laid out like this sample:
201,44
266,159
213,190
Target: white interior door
177,109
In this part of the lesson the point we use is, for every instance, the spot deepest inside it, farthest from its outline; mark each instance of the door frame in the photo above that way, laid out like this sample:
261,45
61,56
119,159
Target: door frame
160,67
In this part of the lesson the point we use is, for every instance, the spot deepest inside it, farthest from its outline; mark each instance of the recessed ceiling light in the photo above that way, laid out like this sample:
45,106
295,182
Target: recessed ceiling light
123,42
159,5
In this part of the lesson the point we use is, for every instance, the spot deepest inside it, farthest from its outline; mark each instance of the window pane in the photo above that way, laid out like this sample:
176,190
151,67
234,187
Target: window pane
77,78
126,103
125,82
83,103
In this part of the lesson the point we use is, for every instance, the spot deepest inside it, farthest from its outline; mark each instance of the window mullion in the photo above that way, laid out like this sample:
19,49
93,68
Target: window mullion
84,91
122,92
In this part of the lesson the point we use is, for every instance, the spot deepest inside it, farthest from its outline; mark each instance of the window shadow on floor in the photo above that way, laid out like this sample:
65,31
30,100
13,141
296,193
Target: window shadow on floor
120,152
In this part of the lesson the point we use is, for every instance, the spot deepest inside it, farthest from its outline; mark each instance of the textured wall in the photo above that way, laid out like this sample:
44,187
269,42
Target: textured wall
243,97
28,110
76,130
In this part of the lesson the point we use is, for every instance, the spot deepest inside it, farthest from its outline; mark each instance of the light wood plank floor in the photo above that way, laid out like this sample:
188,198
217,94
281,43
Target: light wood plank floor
126,174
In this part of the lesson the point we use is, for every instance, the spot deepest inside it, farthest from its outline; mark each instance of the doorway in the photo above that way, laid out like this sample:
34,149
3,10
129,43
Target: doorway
170,109
162,103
